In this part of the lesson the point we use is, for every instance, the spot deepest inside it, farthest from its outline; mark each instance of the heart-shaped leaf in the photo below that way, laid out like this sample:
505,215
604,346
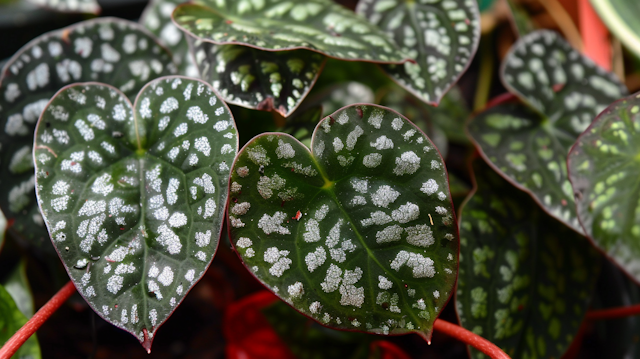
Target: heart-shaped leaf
117,52
11,319
441,36
604,167
358,234
256,79
529,145
274,25
134,196
157,18
81,6
525,279
620,18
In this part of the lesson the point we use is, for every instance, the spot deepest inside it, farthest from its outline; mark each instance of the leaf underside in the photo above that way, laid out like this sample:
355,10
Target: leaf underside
620,18
12,319
528,145
117,52
73,6
134,196
525,279
441,36
256,79
157,18
317,25
604,168
359,235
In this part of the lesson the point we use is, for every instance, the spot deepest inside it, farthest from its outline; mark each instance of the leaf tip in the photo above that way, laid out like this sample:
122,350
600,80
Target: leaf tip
146,342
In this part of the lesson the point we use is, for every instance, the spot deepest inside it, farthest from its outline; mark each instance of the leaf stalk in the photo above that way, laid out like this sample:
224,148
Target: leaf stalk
467,337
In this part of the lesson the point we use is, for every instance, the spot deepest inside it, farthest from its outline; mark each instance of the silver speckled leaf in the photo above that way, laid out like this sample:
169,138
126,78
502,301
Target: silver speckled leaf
73,6
359,233
525,279
441,36
604,168
133,196
274,25
113,51
528,145
256,79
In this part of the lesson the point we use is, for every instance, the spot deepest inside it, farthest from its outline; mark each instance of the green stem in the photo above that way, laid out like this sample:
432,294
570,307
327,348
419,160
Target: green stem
485,76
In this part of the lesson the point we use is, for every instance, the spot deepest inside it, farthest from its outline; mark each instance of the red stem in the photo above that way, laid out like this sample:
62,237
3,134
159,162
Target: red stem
15,342
470,338
614,313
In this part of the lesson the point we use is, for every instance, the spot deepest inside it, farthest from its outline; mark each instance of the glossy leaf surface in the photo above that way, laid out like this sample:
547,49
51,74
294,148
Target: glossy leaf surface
82,6
525,279
134,196
620,16
359,234
604,169
11,319
157,18
441,36
274,25
257,79
529,144
117,52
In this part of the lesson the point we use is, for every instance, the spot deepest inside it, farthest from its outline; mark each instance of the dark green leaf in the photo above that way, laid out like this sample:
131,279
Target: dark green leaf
274,25
256,79
525,279
620,16
441,36
604,168
11,319
343,94
113,51
529,145
302,123
134,196
359,234
82,6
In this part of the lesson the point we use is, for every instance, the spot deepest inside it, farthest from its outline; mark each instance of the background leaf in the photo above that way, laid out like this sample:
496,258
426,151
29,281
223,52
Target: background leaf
525,279
528,145
619,16
17,285
441,36
11,319
604,171
360,235
134,201
109,50
82,6
317,25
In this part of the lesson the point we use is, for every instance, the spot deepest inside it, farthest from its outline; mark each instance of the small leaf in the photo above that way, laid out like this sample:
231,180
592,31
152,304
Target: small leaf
343,94
134,196
318,25
441,36
520,20
17,285
262,80
525,279
360,234
157,18
604,167
73,6
619,16
117,52
11,319
529,145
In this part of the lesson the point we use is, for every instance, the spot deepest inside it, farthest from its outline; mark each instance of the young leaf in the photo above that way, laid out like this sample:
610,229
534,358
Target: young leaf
441,36
604,171
11,319
81,6
17,284
520,20
529,145
117,52
525,279
358,234
273,25
133,196
157,18
619,16
262,80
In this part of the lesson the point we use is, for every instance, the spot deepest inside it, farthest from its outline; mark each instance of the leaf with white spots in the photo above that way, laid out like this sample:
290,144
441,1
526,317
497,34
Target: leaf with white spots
528,145
157,18
71,6
604,168
262,80
440,36
134,200
360,232
525,279
116,52
342,94
274,25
